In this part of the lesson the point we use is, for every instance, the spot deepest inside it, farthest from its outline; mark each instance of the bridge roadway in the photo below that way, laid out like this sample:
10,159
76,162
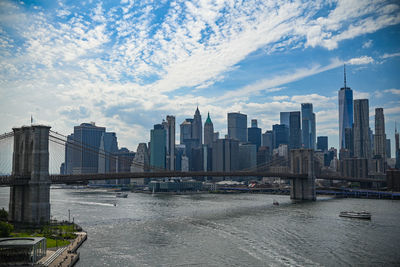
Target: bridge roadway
79,178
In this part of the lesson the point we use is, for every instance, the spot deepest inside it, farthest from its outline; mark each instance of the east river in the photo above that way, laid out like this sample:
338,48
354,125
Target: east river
227,230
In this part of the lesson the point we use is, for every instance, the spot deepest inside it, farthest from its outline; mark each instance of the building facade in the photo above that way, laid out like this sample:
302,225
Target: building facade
345,96
254,134
208,131
308,125
158,147
380,135
294,130
237,127
362,144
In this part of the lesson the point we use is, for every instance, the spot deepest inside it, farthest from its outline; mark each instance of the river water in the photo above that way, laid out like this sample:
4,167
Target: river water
227,230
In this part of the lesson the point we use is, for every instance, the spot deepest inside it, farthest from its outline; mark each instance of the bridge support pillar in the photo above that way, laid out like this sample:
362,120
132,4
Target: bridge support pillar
302,162
30,201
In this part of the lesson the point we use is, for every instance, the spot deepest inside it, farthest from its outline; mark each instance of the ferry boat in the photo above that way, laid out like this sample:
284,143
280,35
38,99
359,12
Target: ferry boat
356,214
123,195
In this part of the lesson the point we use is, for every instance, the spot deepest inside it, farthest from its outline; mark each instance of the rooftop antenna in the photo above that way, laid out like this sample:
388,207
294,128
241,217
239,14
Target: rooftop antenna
344,66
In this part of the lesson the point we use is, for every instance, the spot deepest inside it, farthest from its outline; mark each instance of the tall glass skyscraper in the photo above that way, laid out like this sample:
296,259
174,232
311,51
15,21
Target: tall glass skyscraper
362,144
308,125
345,111
237,126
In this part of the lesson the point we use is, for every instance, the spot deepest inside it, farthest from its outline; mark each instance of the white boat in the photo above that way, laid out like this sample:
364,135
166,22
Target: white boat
123,195
356,214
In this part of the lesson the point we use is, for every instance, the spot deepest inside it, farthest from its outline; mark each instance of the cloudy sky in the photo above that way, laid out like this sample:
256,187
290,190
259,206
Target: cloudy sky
126,65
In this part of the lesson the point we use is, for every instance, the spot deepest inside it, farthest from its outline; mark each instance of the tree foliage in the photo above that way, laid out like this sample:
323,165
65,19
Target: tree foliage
5,229
3,215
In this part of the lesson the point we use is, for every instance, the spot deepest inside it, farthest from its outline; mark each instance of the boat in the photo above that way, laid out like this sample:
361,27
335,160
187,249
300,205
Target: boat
276,203
356,214
123,195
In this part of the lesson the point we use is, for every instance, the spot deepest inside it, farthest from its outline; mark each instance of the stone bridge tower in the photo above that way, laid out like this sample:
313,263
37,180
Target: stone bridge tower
30,194
302,162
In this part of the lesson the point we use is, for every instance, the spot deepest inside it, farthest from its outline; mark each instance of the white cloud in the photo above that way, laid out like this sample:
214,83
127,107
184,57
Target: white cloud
360,95
367,44
393,91
386,55
360,60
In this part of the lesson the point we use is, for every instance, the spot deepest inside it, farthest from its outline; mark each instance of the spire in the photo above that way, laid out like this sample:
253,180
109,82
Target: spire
197,111
208,118
344,67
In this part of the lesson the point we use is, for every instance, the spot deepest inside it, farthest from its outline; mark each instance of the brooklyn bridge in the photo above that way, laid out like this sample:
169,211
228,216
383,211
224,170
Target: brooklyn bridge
30,180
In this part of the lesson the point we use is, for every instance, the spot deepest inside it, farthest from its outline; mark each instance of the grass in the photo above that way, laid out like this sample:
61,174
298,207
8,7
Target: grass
63,232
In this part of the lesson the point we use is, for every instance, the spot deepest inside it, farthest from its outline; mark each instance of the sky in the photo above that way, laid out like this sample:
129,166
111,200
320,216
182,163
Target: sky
127,65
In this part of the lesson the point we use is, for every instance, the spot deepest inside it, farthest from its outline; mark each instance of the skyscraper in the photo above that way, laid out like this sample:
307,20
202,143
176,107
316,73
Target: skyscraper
197,127
345,111
322,143
380,136
308,125
208,131
107,153
158,146
225,155
397,147
170,141
280,135
285,118
254,134
88,136
237,127
186,130
388,149
267,140
362,144
294,130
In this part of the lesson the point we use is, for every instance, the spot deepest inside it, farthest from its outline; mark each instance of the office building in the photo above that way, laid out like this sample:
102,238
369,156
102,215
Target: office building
349,141
267,140
294,130
141,161
208,131
254,134
70,146
124,159
308,125
263,158
158,137
169,126
225,155
186,130
280,135
107,153
285,118
388,149
85,159
247,156
237,127
361,136
322,143
197,128
380,135
345,111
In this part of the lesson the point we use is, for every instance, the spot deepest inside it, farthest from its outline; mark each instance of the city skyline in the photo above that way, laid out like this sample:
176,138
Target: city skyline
127,66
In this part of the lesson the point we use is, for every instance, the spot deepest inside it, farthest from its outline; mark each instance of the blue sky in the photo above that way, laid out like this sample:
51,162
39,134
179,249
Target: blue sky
128,64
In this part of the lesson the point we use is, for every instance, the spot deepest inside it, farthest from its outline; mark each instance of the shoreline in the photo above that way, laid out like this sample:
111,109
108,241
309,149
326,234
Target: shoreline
65,256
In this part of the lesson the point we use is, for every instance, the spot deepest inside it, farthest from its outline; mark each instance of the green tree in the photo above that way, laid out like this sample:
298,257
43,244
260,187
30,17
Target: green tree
5,229
3,215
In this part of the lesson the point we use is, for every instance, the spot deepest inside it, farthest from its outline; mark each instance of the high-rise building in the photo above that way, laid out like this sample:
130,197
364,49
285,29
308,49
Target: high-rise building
158,147
294,130
380,136
308,125
247,156
107,153
345,111
225,154
267,140
208,131
237,127
322,143
69,154
169,125
362,144
197,128
285,118
388,149
186,130
141,161
254,134
88,137
280,135
397,147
